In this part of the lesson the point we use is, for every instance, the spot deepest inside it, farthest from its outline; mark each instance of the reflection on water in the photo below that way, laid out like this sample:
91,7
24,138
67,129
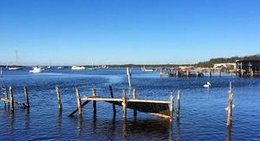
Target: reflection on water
125,129
202,110
229,133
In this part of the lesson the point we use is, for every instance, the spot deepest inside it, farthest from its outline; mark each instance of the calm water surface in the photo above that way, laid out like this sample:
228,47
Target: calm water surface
203,115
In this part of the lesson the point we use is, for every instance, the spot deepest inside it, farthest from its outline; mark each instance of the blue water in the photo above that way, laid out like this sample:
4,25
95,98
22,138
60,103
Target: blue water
203,115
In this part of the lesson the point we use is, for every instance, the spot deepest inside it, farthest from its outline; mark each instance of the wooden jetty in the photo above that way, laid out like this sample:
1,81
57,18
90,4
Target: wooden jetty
161,108
8,97
248,68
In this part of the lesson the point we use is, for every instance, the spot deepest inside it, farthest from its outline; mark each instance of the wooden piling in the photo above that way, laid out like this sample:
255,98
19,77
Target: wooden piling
129,73
171,106
124,104
11,98
5,94
251,73
112,96
58,97
26,96
78,101
134,97
219,73
178,104
230,103
94,102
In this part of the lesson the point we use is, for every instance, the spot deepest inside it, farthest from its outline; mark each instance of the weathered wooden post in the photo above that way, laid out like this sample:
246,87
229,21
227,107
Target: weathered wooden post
94,102
178,104
171,106
78,101
187,73
11,99
58,97
129,73
161,72
5,94
26,96
229,108
219,73
112,96
124,104
251,72
134,97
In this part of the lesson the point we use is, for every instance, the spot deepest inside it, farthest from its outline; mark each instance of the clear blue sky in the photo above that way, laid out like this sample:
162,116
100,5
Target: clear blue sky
68,32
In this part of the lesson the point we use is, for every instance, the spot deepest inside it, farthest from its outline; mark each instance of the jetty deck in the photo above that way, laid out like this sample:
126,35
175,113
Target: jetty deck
161,108
156,107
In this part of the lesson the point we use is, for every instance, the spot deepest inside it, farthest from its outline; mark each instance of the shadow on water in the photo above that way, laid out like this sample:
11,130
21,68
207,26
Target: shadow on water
127,129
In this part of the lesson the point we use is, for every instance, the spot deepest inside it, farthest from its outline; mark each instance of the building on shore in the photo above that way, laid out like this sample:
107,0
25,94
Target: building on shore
248,68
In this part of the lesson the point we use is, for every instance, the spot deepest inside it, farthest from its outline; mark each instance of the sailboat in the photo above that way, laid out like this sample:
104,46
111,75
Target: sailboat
15,67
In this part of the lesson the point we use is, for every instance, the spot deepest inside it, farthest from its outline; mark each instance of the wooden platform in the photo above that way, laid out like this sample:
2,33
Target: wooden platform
160,108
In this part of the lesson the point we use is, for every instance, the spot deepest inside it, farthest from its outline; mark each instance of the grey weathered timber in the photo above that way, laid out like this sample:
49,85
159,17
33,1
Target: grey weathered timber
58,97
112,96
78,101
26,96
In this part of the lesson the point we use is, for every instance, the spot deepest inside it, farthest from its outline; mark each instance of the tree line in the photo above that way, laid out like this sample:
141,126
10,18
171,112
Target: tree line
213,61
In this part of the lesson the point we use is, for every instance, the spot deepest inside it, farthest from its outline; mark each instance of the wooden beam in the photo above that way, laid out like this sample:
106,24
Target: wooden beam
58,97
11,98
178,104
230,103
171,105
108,99
94,102
78,101
112,96
134,96
26,96
124,104
76,109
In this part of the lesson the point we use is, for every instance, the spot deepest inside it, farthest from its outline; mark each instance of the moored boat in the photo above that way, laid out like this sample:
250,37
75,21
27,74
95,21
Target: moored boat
148,69
36,69
15,67
78,68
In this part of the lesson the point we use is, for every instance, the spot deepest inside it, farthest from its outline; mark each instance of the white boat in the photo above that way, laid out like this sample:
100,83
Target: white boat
15,68
36,69
148,69
78,68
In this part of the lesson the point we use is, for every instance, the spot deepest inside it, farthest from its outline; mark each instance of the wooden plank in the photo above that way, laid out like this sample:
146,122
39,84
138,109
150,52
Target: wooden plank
100,99
5,100
15,102
149,101
76,109
108,99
